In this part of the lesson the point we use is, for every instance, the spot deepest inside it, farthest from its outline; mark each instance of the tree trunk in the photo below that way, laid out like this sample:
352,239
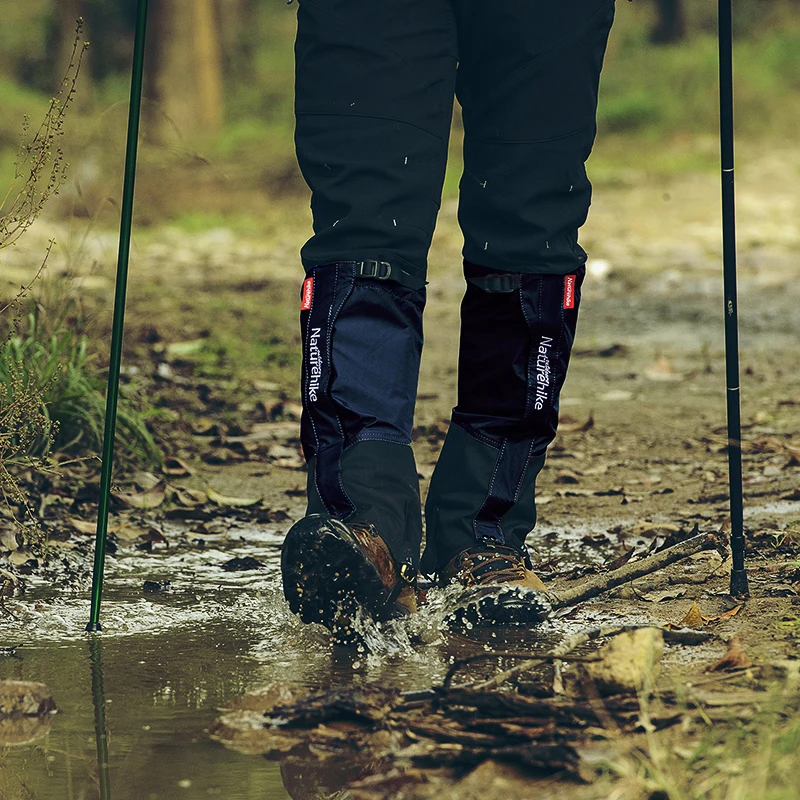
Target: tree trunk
184,69
671,25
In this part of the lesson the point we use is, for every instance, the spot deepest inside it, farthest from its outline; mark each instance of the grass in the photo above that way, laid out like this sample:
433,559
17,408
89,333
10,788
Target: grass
50,360
723,760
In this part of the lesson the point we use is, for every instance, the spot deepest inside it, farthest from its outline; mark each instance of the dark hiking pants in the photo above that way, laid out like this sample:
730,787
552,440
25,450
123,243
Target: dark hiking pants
375,83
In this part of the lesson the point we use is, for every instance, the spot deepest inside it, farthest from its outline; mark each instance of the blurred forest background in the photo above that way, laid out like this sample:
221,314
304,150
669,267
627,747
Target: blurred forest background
222,210
219,97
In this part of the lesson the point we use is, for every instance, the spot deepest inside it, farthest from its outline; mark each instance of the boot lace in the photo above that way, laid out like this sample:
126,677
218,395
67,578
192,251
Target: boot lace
481,565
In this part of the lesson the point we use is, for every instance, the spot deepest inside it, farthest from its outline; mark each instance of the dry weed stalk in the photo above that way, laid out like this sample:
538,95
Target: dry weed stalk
40,170
40,167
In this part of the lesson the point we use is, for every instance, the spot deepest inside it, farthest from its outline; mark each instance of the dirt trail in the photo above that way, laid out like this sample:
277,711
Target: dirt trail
640,453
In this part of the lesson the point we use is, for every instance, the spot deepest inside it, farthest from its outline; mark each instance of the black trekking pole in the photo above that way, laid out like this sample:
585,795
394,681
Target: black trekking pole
738,586
112,393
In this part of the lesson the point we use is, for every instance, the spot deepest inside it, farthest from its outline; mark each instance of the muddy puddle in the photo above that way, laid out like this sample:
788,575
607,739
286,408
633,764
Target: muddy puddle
135,703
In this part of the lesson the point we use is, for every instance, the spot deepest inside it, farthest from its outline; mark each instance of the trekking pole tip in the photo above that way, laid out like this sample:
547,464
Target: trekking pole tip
94,627
739,586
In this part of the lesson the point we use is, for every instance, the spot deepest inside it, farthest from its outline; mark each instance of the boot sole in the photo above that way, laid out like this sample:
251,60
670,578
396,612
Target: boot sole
496,604
326,577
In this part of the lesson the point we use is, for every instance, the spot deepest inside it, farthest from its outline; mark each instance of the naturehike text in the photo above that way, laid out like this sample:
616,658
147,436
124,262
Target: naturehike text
314,364
542,372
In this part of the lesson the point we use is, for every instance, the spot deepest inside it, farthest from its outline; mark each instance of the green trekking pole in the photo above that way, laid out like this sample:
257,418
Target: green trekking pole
738,586
112,393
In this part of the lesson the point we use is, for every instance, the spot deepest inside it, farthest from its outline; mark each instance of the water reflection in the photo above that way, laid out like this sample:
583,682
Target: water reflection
100,728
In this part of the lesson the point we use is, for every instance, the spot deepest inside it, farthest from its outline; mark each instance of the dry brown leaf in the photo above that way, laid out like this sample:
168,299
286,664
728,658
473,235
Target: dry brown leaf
728,614
190,497
570,426
222,455
145,480
128,532
236,502
204,426
661,596
735,658
83,525
176,468
8,540
693,618
19,557
152,498
661,370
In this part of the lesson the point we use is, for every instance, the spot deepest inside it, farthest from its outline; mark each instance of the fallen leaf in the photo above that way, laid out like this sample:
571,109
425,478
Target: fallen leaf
693,618
145,480
152,538
661,370
728,614
735,658
8,539
204,426
152,498
128,532
617,562
236,502
660,597
190,497
176,468
569,426
19,557
83,525
222,455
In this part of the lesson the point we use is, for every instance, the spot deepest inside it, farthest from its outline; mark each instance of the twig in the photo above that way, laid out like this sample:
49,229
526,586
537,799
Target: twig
23,290
723,677
569,644
636,569
530,659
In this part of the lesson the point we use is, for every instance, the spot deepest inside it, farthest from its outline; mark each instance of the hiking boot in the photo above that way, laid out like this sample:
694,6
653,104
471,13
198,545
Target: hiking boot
500,586
331,568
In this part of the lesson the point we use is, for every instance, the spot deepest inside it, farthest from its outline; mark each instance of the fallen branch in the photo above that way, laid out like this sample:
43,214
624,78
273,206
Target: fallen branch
635,569
561,652
529,659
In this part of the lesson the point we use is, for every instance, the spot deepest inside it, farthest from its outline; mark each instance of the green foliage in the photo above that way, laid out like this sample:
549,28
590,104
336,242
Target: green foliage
669,90
202,222
50,361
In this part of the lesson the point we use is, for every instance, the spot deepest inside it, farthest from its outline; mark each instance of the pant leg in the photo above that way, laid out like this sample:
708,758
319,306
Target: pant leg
528,81
374,96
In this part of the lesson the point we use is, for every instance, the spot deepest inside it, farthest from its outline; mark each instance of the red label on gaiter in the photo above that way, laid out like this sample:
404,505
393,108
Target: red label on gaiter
308,293
569,291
